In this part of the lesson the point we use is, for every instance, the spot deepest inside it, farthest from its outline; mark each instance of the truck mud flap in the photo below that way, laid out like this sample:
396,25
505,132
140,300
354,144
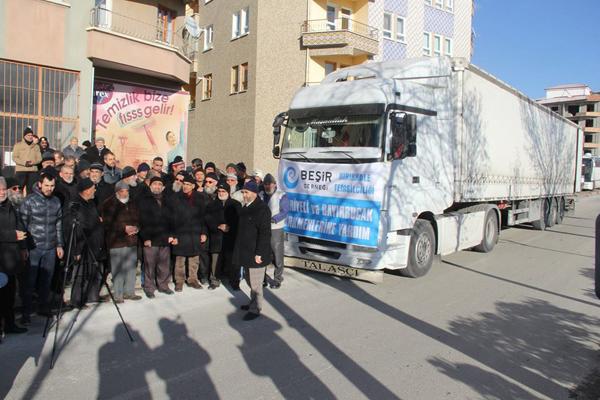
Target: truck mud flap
343,271
569,206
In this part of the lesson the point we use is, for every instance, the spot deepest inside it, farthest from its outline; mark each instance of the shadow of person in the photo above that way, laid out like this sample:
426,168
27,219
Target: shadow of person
122,367
268,355
15,351
181,363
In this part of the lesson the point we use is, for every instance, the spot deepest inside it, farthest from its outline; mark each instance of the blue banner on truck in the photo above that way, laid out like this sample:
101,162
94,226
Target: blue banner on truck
336,202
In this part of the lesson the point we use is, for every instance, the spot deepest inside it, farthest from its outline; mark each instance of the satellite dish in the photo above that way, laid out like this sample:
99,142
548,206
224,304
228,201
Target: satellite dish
192,27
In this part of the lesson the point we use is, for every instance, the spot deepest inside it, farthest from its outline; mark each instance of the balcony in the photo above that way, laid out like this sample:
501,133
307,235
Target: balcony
585,115
340,37
122,42
588,129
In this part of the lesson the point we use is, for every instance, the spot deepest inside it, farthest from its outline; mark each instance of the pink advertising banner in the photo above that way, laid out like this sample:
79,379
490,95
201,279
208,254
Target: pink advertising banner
139,123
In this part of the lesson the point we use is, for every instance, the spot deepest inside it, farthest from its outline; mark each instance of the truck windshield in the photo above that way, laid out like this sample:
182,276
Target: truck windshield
343,131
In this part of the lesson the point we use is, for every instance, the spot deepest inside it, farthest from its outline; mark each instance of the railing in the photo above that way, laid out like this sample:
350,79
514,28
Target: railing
340,24
157,33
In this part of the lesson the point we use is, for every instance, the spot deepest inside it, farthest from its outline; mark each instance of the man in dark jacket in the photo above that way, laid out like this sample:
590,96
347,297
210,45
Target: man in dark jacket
156,238
12,235
187,225
89,245
103,189
41,214
221,221
96,153
253,246
120,216
66,187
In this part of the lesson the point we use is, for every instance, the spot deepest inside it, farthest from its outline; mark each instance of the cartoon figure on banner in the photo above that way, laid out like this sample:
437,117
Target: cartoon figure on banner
177,147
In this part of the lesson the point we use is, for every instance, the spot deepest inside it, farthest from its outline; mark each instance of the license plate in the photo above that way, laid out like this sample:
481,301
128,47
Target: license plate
343,271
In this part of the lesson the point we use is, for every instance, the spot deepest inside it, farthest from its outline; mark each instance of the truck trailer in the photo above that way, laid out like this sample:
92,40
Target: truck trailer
387,164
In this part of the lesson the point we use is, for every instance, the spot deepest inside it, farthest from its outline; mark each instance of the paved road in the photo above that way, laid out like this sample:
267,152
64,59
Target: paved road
519,323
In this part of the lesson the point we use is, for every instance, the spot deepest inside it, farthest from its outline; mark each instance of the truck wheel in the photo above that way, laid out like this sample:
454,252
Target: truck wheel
490,233
421,251
540,224
560,214
551,213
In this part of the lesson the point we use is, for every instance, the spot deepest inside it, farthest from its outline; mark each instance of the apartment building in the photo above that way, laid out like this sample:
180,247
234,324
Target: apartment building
578,103
65,63
255,54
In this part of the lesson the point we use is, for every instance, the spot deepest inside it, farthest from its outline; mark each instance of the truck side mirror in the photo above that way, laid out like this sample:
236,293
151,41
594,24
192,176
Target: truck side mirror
404,135
276,152
277,124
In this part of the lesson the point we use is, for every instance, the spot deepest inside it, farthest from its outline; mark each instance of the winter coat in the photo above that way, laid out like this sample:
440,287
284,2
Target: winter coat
66,192
88,231
78,152
253,235
154,220
23,152
221,212
42,219
9,247
115,216
94,156
187,223
112,175
103,192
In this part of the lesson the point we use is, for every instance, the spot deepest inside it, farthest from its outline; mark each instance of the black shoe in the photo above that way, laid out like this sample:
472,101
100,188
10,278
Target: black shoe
25,320
251,316
166,291
275,285
14,328
265,284
245,307
235,287
149,294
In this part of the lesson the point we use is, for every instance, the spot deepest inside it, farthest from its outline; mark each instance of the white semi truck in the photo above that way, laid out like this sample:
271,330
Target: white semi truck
387,164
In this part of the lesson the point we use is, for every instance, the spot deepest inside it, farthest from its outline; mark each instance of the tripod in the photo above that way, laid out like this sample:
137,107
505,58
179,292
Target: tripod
71,262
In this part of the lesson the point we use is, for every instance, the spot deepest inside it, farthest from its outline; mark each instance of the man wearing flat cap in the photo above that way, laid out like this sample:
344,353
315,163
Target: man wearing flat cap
252,249
27,156
96,153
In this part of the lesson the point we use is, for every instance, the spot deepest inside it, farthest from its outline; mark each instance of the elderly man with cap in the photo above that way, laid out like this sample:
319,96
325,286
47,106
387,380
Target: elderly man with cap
155,233
15,194
66,187
279,206
42,217
96,153
89,247
83,169
252,249
73,148
221,221
121,221
12,236
47,160
210,167
103,189
189,233
26,156
131,179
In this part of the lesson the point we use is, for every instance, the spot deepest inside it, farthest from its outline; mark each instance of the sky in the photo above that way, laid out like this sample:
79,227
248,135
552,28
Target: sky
535,44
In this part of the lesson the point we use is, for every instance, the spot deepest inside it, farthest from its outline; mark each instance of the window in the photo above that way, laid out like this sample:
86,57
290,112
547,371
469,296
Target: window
448,46
426,44
47,99
387,25
449,5
239,78
165,25
331,14
439,3
330,67
437,45
400,29
428,2
240,23
243,77
346,19
235,70
208,37
207,81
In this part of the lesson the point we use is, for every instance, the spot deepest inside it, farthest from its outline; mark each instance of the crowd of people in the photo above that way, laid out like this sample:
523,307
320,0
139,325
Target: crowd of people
190,226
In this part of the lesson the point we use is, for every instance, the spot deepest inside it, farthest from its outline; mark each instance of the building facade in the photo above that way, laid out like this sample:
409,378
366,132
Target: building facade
579,104
54,52
254,55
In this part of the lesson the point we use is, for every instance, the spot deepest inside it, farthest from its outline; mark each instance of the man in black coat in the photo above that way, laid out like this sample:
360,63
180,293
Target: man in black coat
104,190
89,247
221,221
156,237
187,225
252,249
66,186
96,153
12,235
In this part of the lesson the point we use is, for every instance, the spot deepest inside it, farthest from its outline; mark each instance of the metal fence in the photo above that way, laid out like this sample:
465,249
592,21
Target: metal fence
163,31
340,24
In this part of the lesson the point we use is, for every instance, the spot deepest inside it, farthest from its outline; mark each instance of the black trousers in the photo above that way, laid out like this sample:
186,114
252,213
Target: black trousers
87,281
7,301
26,179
